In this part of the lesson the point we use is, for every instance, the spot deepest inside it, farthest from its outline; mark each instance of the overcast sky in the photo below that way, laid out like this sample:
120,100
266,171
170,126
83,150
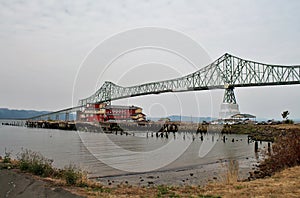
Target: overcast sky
43,43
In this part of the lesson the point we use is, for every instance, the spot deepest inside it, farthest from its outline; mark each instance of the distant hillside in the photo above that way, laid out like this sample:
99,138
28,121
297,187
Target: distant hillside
6,113
186,118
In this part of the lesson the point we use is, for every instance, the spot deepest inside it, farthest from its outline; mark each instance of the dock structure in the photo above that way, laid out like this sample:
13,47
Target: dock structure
103,126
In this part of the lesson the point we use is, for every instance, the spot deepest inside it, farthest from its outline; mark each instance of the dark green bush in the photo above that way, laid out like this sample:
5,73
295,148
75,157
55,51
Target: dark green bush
72,174
288,121
23,165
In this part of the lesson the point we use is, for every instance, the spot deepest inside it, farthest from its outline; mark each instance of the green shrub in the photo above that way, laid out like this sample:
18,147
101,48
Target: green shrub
23,165
162,190
7,158
288,121
35,163
72,174
239,187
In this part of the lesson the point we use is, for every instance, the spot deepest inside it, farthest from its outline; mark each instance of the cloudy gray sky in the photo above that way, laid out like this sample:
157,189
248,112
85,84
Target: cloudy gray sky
43,43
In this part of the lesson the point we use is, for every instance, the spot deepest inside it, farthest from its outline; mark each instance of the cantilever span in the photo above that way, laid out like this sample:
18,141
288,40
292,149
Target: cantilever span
226,72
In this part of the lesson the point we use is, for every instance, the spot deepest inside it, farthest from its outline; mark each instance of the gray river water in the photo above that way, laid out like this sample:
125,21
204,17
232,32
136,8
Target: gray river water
109,154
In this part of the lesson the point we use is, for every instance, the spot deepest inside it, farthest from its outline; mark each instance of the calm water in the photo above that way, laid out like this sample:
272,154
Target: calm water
141,152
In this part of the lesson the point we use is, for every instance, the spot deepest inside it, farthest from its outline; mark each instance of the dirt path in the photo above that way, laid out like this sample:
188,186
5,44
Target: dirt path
14,184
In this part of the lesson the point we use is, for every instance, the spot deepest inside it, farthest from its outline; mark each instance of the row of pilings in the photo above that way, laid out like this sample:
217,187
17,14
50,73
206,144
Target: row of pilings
72,125
51,124
165,131
14,123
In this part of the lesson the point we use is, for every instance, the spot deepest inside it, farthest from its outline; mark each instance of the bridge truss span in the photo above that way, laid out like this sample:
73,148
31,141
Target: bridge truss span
226,72
249,73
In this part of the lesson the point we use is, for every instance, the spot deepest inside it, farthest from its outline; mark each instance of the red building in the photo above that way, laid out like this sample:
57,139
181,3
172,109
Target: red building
103,113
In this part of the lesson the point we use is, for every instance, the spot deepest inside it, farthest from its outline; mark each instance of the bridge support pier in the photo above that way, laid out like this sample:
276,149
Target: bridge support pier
67,116
229,107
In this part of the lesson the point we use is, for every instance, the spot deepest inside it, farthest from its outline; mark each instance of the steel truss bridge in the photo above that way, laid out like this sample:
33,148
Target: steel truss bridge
227,72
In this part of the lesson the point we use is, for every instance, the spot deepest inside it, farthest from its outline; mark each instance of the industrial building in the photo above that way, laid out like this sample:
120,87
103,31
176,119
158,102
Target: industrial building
103,113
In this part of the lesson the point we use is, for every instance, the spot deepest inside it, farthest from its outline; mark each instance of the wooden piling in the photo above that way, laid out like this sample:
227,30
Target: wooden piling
256,146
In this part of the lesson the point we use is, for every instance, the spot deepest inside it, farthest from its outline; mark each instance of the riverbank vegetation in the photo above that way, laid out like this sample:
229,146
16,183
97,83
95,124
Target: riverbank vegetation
33,162
282,184
268,132
285,153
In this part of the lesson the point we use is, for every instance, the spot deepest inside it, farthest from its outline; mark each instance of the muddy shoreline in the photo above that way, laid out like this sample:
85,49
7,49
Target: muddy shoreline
197,175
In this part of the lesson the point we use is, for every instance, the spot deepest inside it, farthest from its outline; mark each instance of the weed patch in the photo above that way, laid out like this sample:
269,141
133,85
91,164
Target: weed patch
35,163
285,153
72,174
7,158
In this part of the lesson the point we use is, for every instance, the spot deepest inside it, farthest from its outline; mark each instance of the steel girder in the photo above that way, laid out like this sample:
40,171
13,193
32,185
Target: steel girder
229,96
226,71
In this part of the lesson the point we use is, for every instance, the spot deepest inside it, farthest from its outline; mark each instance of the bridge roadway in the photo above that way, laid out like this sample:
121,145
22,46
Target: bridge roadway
227,72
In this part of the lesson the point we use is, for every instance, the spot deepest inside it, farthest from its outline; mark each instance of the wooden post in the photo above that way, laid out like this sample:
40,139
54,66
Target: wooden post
256,146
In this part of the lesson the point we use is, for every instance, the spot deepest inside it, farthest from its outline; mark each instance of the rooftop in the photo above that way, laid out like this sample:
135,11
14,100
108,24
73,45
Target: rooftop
121,107
241,115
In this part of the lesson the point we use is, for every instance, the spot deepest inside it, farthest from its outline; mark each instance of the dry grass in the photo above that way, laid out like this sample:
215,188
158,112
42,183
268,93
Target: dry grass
286,126
231,174
282,184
